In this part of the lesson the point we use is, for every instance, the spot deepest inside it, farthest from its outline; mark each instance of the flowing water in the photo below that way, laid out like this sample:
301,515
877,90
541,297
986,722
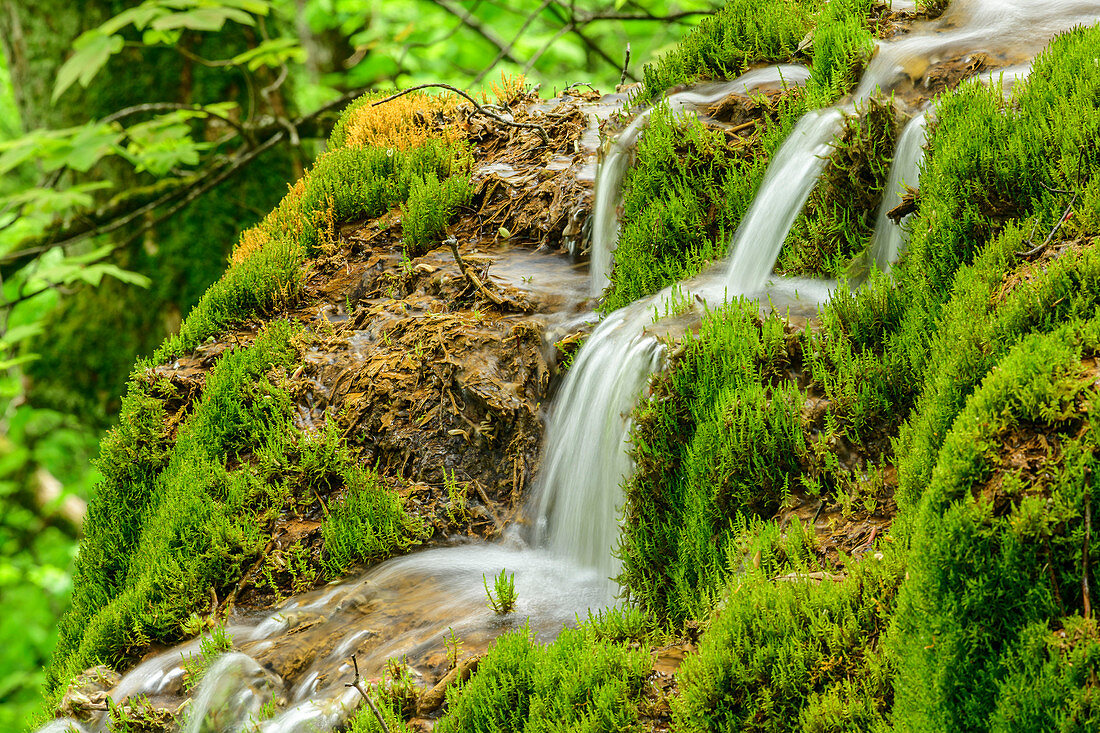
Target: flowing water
1007,31
888,240
782,194
612,170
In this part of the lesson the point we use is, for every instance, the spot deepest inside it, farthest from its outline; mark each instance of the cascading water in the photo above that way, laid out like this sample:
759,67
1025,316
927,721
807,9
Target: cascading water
782,194
586,441
609,179
1009,31
888,240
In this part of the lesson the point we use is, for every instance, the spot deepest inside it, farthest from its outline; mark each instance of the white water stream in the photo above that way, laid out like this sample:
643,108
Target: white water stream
889,238
612,170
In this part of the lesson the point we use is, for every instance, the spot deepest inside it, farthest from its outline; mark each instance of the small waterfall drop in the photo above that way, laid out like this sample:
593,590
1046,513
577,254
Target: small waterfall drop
889,238
612,170
586,454
782,194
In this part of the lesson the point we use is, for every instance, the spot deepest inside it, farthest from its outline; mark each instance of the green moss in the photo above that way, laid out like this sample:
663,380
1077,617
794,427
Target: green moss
368,523
171,521
997,545
793,655
1051,680
581,682
345,184
972,350
430,206
682,200
839,219
742,33
717,438
689,187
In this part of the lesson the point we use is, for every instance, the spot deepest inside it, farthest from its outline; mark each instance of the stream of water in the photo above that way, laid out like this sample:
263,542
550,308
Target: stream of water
612,171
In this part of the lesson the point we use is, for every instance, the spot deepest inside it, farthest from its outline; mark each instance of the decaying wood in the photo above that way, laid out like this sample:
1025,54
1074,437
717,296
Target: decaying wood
471,276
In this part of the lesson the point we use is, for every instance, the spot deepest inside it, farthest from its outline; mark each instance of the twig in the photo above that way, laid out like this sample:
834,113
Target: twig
189,189
546,47
1085,595
359,686
477,27
488,504
477,108
1062,220
592,45
471,276
507,51
626,65
173,107
817,514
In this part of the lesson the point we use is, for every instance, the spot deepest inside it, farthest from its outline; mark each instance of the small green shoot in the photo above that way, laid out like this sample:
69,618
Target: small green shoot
504,602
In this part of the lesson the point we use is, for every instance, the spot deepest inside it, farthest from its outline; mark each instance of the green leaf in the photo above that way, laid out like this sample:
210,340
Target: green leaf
94,274
89,144
140,16
209,19
6,364
90,53
275,52
14,153
161,38
19,333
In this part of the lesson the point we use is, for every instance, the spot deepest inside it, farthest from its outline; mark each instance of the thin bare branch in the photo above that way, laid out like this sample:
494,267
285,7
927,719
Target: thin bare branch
471,22
477,108
359,686
188,189
172,107
507,51
546,47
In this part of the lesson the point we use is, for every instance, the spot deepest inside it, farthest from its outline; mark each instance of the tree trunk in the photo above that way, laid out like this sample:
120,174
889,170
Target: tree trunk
94,334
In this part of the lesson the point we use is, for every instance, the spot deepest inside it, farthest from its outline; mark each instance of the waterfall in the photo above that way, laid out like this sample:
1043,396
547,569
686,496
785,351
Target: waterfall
612,170
586,455
783,192
888,239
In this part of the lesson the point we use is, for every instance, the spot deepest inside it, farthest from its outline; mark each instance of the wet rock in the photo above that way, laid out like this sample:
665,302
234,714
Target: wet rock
86,696
431,700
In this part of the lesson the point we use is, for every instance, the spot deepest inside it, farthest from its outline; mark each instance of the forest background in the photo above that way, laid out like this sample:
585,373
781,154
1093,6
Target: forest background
137,140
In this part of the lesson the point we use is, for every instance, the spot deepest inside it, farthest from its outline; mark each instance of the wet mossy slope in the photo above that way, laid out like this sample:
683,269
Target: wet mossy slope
966,387
193,485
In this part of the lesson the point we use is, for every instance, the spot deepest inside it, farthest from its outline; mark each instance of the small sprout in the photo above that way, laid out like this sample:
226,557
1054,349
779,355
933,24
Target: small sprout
454,647
504,602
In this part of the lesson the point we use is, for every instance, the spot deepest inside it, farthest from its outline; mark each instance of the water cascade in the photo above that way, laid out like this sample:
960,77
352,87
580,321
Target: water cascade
1007,31
888,240
612,170
782,194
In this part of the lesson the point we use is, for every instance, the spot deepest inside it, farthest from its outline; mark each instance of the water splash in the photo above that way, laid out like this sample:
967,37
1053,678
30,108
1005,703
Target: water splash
612,170
889,238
